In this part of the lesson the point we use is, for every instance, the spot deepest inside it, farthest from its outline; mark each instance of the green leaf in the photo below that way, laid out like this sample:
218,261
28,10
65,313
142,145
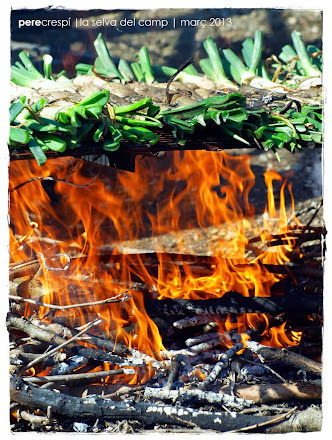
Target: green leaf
136,68
233,135
207,69
19,135
37,152
153,110
127,109
74,120
111,145
138,122
260,131
145,64
200,119
237,114
214,115
39,105
125,70
235,61
98,133
82,133
99,98
257,51
16,108
83,69
211,48
51,141
104,62
48,66
24,57
22,77
247,50
309,68
137,134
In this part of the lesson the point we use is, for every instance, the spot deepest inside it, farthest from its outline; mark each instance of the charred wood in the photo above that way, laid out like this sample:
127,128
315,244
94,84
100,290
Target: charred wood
70,365
220,365
233,302
294,359
150,414
52,360
185,395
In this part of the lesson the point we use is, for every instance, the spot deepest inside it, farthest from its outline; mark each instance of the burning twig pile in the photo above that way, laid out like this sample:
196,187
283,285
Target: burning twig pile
132,339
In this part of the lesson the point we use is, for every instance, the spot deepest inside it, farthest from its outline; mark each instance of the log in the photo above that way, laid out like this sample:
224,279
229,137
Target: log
233,302
183,395
280,392
309,420
149,414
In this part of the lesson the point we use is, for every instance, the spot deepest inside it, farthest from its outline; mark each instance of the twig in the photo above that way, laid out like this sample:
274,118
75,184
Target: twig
70,378
64,344
183,66
193,321
114,299
55,268
268,422
267,368
314,214
104,353
174,371
207,345
70,365
217,369
54,179
32,418
55,359
190,342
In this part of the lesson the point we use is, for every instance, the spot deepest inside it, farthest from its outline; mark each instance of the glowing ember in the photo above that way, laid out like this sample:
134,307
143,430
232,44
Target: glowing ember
197,191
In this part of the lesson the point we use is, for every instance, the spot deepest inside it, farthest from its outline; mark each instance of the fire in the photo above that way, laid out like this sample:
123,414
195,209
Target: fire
192,192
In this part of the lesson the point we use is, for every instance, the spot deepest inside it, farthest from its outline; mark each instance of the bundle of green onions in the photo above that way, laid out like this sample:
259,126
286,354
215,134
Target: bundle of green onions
41,126
91,119
222,67
270,131
94,119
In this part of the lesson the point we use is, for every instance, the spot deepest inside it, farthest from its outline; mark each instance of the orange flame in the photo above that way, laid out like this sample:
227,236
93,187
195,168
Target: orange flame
191,194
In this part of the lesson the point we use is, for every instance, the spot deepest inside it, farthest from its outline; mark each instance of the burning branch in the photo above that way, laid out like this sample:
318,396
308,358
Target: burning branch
76,378
118,298
233,302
